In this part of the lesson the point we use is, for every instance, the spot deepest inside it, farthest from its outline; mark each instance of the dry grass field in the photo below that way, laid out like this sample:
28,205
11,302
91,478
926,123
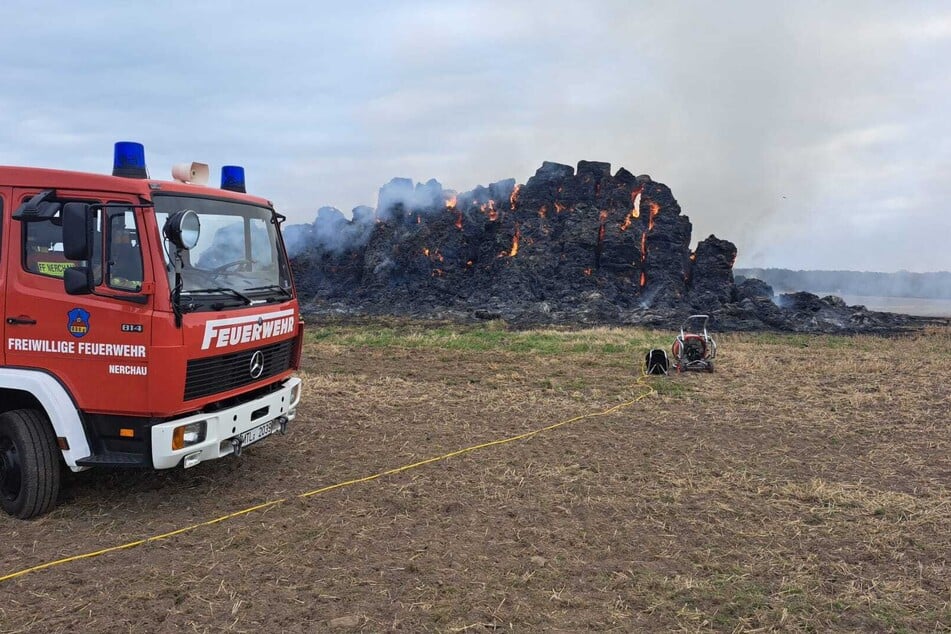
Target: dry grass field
805,486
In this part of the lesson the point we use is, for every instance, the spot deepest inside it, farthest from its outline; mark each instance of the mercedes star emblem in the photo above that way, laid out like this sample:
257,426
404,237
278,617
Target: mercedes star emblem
257,364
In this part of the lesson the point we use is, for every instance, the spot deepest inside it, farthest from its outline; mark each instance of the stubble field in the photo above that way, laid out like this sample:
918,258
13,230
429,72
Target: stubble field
804,486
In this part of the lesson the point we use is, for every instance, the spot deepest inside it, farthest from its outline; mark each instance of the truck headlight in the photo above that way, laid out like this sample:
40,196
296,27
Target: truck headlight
188,435
294,392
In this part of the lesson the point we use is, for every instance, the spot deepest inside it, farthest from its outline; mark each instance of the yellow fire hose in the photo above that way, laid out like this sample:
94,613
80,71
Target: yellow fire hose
339,485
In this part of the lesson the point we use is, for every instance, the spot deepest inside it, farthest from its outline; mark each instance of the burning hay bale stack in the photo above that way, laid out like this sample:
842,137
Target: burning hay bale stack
568,246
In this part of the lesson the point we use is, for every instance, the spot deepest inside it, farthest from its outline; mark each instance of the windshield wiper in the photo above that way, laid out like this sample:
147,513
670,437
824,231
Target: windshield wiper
228,291
271,287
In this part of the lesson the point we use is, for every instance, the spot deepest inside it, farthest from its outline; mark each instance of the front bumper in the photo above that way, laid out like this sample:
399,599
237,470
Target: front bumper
222,426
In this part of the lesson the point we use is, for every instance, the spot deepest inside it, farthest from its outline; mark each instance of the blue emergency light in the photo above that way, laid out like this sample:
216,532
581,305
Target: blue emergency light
129,160
232,178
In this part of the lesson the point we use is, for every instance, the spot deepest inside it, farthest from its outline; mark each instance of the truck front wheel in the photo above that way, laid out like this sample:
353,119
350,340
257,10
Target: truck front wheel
29,464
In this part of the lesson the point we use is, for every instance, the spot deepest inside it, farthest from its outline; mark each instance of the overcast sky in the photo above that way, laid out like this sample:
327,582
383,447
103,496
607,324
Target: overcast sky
814,135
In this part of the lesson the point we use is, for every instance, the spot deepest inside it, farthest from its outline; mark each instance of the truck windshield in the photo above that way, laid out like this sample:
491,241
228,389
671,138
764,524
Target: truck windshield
238,256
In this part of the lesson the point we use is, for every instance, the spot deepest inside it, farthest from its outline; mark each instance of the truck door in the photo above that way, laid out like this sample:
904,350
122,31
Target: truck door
4,220
96,344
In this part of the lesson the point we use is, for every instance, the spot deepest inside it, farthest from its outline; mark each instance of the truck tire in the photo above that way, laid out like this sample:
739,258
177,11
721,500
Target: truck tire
29,464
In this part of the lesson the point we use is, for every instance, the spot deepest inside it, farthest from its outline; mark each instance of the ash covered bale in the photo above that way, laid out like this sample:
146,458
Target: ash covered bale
594,170
666,244
752,288
624,177
711,274
547,185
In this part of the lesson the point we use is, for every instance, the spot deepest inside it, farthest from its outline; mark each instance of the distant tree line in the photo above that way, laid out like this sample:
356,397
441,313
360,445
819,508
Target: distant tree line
900,284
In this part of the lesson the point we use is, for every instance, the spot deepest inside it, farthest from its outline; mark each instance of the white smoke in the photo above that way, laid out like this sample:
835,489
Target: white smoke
332,232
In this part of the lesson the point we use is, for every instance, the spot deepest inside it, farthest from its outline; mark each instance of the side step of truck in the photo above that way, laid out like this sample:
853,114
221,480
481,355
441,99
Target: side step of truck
115,459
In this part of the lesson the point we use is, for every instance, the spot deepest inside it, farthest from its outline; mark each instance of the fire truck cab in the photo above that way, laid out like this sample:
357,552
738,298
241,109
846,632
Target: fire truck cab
144,323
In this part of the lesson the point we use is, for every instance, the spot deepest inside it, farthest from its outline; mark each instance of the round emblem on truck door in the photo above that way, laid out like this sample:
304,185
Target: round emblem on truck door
257,364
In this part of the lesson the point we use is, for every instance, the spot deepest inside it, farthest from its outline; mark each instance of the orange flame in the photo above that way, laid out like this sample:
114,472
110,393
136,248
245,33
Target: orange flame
643,279
490,210
426,251
643,246
588,271
514,250
693,256
469,263
655,209
438,272
513,199
451,202
543,211
635,193
635,210
458,222
559,208
627,221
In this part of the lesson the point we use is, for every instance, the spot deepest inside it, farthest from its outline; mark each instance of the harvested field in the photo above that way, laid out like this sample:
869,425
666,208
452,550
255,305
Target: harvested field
802,487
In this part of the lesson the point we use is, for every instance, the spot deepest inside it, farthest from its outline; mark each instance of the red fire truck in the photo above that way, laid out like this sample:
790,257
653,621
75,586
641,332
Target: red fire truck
145,323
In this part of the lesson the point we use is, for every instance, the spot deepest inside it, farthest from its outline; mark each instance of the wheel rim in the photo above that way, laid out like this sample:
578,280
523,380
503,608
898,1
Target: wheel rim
10,469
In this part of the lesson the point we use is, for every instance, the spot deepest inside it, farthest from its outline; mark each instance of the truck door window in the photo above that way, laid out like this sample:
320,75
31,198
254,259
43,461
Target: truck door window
43,249
124,251
261,249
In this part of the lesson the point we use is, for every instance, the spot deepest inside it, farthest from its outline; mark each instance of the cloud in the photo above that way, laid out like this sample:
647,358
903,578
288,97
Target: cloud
772,123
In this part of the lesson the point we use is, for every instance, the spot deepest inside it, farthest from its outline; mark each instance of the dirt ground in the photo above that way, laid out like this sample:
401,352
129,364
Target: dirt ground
804,486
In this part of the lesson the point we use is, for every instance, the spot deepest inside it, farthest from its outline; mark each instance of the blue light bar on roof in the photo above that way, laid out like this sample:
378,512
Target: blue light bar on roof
129,160
232,178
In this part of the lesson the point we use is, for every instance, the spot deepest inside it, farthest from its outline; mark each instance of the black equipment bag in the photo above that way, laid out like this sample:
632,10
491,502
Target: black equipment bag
656,362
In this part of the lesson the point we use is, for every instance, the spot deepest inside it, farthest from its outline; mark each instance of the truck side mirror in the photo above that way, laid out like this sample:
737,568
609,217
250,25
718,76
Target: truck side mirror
78,228
78,280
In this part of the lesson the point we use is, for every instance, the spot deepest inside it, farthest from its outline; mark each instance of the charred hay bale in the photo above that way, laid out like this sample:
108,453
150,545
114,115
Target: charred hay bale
569,246
711,275
752,288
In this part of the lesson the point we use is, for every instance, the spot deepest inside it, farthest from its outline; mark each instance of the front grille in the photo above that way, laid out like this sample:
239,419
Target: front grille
214,375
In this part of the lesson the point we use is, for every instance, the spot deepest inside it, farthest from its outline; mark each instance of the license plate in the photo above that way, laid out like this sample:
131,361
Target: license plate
262,431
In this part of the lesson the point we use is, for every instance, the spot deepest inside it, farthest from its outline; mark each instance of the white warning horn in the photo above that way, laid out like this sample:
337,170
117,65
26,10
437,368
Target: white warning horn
196,173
